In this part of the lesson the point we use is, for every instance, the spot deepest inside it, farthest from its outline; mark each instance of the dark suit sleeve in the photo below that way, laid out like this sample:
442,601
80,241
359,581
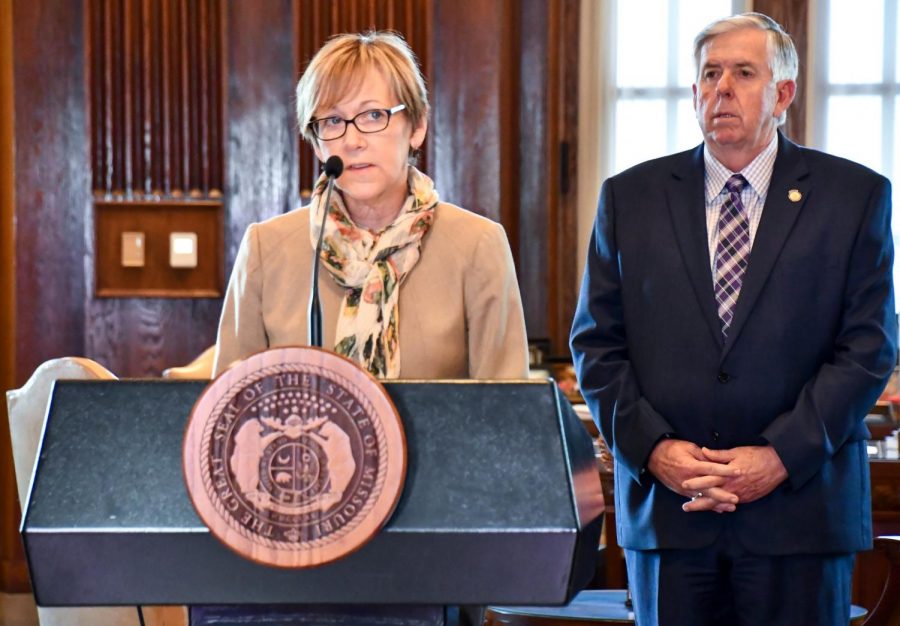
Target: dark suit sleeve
831,405
630,426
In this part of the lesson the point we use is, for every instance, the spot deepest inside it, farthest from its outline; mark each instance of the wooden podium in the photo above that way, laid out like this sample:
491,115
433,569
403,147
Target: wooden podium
501,505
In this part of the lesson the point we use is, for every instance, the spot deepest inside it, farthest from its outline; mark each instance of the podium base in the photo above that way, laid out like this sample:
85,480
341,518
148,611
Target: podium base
336,615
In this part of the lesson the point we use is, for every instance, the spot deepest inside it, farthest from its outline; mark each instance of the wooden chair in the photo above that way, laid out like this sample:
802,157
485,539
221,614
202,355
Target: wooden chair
613,558
27,410
28,407
887,611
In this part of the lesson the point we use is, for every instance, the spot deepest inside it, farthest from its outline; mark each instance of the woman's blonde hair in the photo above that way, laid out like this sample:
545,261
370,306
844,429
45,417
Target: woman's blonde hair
342,63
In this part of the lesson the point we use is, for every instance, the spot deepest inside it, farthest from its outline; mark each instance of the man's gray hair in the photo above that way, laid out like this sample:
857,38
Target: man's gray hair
783,54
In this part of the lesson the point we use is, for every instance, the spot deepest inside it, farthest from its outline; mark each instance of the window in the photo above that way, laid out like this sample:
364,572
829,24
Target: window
650,72
857,94
635,77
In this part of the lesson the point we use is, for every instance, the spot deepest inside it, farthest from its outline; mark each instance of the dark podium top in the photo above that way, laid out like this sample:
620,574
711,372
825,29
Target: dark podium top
501,505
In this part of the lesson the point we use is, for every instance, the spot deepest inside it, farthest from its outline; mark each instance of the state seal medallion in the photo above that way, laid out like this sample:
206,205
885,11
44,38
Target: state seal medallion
294,457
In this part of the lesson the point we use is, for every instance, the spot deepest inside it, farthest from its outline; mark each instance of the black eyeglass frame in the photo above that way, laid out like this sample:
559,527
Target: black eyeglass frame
389,112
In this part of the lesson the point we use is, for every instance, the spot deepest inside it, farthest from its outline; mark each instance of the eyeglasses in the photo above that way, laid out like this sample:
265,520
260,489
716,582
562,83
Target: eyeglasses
371,121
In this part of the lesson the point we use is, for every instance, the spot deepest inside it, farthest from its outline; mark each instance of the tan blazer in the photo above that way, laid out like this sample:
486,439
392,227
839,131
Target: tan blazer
460,309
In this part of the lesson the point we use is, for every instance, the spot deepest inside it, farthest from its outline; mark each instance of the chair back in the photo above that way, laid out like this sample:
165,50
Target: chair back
887,611
27,408
199,369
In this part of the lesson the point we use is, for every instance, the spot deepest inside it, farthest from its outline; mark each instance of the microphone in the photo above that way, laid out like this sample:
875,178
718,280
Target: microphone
333,168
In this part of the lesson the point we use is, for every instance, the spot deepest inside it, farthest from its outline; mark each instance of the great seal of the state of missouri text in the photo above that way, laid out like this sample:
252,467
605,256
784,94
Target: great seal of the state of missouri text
294,457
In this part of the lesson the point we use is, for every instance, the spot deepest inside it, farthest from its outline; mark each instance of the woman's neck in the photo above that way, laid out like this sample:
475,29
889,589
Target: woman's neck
371,217
376,215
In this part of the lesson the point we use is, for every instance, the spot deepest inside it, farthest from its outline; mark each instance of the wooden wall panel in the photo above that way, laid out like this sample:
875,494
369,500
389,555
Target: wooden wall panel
155,82
316,21
156,85
793,15
474,121
563,257
539,168
140,337
54,247
51,190
542,216
52,181
13,572
261,171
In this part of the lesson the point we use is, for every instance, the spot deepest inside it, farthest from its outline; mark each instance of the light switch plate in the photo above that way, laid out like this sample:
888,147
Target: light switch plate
183,250
185,274
133,249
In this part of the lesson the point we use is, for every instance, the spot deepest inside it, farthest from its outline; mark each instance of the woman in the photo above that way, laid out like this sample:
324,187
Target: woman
414,287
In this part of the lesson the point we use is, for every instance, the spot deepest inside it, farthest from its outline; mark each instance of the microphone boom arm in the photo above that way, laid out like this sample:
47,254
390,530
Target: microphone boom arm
333,168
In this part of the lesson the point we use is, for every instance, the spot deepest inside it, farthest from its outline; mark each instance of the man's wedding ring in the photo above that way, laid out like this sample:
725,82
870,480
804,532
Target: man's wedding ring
699,494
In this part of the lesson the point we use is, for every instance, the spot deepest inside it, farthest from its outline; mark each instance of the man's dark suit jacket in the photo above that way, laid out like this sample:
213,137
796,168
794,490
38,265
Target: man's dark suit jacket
810,347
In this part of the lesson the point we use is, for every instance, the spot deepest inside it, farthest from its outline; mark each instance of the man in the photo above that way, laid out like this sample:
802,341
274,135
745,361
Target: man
735,324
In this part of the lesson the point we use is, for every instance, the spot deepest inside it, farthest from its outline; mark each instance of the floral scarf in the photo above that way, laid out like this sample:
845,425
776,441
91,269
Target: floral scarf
371,267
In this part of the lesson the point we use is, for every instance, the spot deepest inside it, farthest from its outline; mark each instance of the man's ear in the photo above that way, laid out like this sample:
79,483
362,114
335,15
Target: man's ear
785,91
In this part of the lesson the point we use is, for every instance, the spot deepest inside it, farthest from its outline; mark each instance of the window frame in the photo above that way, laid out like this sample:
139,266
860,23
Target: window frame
888,89
671,93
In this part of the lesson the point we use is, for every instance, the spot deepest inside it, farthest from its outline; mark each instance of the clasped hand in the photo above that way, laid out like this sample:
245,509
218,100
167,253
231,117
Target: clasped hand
716,480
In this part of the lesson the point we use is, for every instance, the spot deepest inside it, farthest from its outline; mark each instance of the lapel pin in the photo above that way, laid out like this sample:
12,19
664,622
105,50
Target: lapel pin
794,195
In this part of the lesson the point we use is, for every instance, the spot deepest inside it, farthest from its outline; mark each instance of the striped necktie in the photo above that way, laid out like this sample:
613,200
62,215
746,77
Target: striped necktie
732,251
